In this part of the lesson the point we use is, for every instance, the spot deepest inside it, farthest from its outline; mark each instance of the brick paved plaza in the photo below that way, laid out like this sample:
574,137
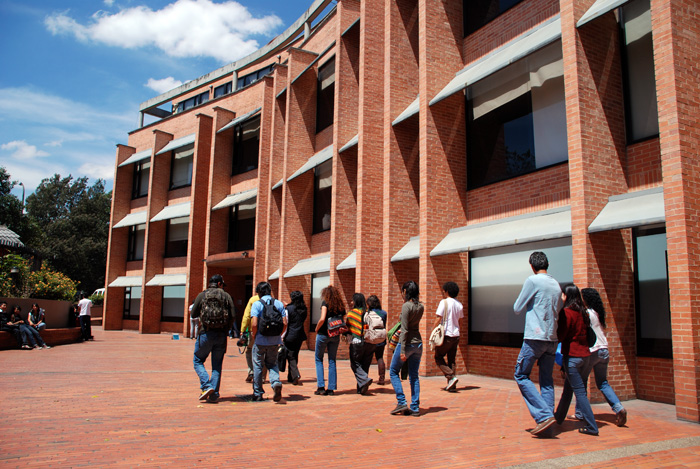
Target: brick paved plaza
130,400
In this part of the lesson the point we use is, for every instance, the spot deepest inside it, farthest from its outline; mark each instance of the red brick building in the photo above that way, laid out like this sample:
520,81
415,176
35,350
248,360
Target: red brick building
377,142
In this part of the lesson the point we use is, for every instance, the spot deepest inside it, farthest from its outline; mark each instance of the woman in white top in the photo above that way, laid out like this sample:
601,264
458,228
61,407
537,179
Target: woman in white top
599,354
450,310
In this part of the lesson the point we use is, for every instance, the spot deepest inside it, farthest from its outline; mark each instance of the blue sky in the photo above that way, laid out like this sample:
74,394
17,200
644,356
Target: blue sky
75,71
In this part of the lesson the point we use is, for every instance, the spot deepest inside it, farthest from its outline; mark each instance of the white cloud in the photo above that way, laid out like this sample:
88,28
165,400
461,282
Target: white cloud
163,85
109,3
21,150
186,28
98,171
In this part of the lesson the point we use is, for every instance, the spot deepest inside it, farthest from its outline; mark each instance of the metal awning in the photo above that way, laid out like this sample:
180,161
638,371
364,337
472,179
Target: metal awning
410,251
599,8
351,143
136,157
312,265
275,275
320,157
239,120
350,262
629,210
520,47
528,228
177,143
410,111
164,280
279,184
9,238
173,211
127,281
234,199
136,218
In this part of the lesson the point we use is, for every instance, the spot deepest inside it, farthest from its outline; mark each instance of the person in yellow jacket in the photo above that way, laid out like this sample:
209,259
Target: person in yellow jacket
245,332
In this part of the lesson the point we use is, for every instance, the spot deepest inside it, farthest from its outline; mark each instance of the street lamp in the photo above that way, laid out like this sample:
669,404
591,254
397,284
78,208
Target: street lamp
21,212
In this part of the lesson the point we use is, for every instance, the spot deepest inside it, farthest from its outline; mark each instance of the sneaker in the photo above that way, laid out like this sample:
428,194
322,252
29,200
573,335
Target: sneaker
621,418
320,391
257,399
451,383
26,347
249,379
399,409
47,346
381,382
37,346
365,388
205,394
328,392
278,393
213,398
296,382
414,413
543,425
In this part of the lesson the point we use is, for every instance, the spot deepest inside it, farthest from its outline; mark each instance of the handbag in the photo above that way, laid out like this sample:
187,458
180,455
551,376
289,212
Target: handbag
336,326
394,335
437,337
591,338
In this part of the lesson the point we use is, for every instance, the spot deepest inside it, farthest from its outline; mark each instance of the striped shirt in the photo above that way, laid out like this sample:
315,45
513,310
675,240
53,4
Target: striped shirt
354,322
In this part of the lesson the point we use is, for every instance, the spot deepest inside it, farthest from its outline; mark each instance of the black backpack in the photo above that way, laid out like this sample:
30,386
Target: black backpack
216,312
270,321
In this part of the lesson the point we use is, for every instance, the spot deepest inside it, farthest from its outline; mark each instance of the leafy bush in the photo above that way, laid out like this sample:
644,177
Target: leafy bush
97,299
13,285
50,285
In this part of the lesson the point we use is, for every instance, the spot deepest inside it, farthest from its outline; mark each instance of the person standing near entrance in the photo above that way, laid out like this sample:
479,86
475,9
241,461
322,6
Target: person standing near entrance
540,299
85,325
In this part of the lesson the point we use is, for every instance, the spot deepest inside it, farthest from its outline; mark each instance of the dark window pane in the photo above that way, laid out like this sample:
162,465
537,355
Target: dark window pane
242,227
323,188
477,13
181,167
137,237
325,97
177,237
246,146
142,171
132,302
173,303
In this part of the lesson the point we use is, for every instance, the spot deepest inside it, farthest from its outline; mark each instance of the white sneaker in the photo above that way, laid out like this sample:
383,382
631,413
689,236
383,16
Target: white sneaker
451,383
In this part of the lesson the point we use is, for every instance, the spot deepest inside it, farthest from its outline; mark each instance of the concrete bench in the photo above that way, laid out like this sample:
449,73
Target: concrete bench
68,335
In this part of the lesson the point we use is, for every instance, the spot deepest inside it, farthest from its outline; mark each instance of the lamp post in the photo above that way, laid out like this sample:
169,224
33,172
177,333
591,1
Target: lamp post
21,212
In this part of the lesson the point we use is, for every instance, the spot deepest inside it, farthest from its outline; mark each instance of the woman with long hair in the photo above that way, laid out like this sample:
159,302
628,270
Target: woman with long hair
409,349
571,330
295,336
373,304
331,306
361,352
600,355
36,317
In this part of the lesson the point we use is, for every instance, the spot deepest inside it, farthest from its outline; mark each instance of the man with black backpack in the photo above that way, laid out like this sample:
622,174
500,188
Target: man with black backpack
268,322
217,312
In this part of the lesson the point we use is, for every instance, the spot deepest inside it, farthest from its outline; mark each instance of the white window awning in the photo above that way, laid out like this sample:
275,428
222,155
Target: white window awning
278,185
313,265
350,262
239,120
173,211
631,210
164,280
599,8
177,143
127,281
410,251
235,199
528,228
351,143
520,47
320,157
410,111
136,218
136,157
275,275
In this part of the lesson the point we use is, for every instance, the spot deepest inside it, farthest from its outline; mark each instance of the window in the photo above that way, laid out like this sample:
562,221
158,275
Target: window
132,302
246,146
477,13
652,294
241,227
192,102
323,185
181,167
325,96
251,78
176,237
640,81
517,119
318,283
222,89
496,278
142,171
173,303
137,237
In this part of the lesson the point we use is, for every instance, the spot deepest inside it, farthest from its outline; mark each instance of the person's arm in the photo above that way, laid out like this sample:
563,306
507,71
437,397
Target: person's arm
441,310
253,325
245,322
322,319
29,318
285,316
520,305
405,309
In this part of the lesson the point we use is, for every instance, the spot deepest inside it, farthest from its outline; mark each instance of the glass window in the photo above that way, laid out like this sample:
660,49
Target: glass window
318,283
640,80
173,303
192,102
181,167
137,237
222,89
132,302
517,119
241,228
323,188
252,77
246,146
325,97
176,237
652,294
142,171
496,278
477,13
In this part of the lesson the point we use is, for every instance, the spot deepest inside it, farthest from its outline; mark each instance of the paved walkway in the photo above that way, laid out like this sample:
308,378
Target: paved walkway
130,400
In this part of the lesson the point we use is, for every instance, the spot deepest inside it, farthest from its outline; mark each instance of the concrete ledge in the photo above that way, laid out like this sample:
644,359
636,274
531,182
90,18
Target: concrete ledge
51,337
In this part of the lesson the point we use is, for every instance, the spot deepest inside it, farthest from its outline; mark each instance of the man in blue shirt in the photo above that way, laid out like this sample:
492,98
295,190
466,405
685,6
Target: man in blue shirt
265,347
541,301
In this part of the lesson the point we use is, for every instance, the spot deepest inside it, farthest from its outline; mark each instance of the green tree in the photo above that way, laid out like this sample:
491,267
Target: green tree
11,208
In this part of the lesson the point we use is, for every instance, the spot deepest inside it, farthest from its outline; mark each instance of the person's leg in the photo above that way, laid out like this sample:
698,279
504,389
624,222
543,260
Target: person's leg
333,344
202,348
89,327
453,343
564,402
394,370
292,359
249,361
37,337
27,334
540,409
592,360
271,352
576,366
440,353
546,366
381,365
321,341
413,356
257,370
600,370
18,336
217,359
41,326
367,354
83,327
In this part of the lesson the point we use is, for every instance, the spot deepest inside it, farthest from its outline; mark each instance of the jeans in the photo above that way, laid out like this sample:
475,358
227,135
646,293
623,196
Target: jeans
331,343
85,327
599,364
265,354
540,404
213,342
292,359
31,335
360,360
574,384
194,327
449,349
413,353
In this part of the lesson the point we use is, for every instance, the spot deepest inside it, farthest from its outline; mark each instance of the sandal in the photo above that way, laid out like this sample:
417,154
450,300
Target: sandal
586,431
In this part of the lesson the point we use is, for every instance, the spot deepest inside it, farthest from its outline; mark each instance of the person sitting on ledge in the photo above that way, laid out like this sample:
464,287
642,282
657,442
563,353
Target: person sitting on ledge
29,334
36,317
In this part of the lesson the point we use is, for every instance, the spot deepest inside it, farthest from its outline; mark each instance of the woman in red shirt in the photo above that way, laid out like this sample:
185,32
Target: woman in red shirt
571,330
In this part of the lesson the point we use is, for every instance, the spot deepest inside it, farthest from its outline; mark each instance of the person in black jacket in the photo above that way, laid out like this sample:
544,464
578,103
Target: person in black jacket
295,335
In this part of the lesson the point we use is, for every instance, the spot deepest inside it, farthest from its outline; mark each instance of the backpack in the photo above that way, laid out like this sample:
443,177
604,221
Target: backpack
216,312
270,321
375,331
